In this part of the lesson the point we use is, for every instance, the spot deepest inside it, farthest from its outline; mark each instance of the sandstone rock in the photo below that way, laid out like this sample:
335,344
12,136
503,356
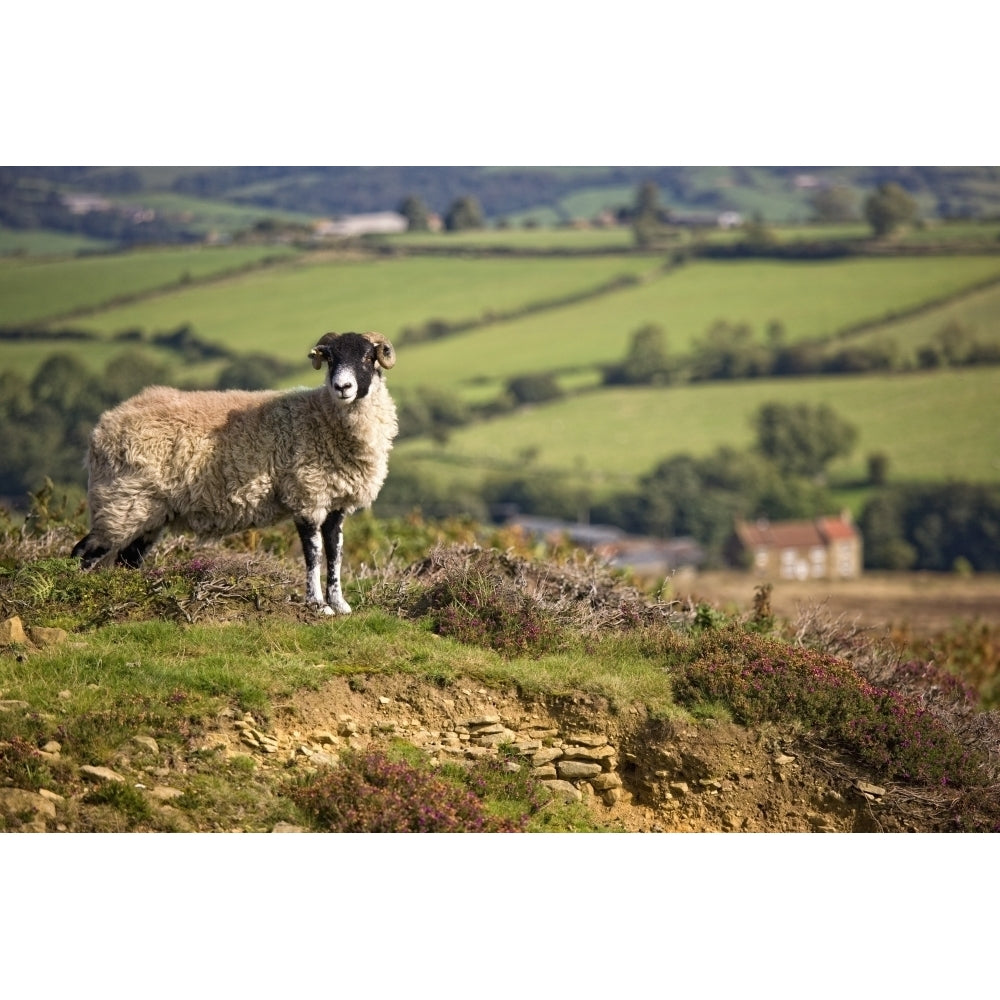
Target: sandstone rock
545,772
165,793
679,788
100,774
13,706
283,827
50,795
869,791
574,769
783,758
12,631
148,742
604,782
564,790
587,740
589,753
493,727
43,637
19,802
478,720
611,795
546,755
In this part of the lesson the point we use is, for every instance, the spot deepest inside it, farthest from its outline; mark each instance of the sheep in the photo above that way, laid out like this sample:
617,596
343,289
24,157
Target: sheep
218,462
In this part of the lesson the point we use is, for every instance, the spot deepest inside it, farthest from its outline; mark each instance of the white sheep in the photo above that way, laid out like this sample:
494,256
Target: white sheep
217,462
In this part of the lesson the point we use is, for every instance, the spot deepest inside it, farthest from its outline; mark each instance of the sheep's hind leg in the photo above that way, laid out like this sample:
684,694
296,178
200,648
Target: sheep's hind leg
131,555
333,542
89,551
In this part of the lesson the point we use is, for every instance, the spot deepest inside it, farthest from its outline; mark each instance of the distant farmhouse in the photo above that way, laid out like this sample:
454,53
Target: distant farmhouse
361,225
647,557
828,548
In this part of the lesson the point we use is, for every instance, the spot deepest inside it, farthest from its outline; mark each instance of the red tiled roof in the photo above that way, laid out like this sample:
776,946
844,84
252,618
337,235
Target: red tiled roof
794,534
836,529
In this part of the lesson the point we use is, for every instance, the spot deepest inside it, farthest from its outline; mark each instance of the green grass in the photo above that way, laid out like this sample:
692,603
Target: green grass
283,310
42,242
933,426
32,290
978,313
810,299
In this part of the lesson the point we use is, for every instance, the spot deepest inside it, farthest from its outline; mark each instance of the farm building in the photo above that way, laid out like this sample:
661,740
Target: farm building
647,557
827,548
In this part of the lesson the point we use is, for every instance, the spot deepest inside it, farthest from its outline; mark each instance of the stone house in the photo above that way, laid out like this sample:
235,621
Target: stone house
826,548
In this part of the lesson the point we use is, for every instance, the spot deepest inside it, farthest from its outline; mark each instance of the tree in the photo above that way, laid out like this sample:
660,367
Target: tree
802,439
647,360
416,214
889,207
834,204
647,215
464,213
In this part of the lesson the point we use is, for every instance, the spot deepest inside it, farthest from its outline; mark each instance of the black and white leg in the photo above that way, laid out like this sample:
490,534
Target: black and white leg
312,548
89,551
333,541
133,554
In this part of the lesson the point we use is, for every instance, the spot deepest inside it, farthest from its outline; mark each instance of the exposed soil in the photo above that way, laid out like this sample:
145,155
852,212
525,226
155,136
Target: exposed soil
710,777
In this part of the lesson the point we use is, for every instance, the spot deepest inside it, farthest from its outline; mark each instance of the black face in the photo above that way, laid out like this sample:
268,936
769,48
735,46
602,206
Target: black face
352,364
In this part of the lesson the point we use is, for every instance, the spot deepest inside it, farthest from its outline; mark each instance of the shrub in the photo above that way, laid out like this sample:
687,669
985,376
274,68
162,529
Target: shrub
369,793
767,680
492,612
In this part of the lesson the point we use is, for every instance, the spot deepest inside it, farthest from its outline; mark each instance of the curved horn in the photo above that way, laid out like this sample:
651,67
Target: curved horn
319,353
383,349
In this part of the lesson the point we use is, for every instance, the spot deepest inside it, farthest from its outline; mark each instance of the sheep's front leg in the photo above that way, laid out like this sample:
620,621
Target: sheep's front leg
312,547
333,542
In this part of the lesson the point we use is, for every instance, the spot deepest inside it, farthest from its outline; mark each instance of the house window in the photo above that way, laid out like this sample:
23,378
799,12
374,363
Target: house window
760,558
789,559
817,559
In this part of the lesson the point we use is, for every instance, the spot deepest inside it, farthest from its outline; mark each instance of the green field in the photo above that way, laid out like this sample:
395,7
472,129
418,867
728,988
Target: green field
41,242
811,300
978,313
932,426
281,309
32,290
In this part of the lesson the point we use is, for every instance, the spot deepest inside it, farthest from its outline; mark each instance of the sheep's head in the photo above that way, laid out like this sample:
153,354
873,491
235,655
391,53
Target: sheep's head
353,360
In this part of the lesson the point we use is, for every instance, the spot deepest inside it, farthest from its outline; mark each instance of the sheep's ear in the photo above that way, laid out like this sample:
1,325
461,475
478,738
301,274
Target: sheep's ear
384,351
320,352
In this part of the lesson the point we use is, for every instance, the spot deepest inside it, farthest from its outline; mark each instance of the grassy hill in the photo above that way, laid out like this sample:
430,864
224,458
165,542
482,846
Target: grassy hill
199,695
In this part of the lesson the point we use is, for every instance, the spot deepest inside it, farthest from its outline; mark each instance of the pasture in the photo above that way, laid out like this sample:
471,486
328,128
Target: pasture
33,290
281,310
811,300
933,426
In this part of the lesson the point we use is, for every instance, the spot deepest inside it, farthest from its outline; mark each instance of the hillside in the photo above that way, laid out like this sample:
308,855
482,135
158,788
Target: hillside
132,205
200,695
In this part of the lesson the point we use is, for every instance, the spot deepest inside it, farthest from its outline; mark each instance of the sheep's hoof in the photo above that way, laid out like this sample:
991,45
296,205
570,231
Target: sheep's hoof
338,606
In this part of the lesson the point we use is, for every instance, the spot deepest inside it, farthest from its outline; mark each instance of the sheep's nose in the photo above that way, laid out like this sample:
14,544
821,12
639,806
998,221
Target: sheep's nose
344,387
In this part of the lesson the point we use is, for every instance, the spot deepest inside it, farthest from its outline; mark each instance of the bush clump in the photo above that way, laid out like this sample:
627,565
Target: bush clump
766,680
369,793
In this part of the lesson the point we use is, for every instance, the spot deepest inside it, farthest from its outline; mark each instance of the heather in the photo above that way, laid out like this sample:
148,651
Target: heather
762,679
372,793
